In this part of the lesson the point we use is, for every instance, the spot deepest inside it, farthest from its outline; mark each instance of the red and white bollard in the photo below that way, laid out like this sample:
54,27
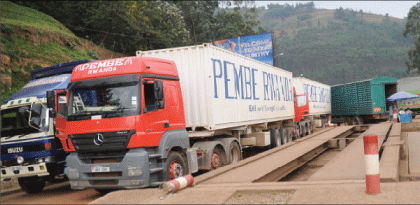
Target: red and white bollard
329,124
177,184
395,115
372,164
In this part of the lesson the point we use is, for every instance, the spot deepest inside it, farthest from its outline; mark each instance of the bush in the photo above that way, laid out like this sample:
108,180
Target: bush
92,54
304,17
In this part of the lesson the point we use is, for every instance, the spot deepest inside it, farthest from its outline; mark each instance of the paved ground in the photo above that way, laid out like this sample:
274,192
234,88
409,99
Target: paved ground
350,163
265,165
325,192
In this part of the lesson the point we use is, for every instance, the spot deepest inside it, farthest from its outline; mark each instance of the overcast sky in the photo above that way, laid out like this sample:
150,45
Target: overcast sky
397,9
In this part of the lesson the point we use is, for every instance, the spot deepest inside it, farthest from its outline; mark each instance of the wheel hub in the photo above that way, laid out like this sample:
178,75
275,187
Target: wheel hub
175,170
215,162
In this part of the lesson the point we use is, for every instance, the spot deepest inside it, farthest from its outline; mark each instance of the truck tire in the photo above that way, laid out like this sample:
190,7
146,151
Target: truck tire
283,135
353,121
308,128
302,130
175,166
289,135
275,138
235,152
32,184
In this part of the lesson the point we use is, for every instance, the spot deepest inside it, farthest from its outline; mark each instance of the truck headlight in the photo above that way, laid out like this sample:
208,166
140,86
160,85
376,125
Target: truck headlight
134,171
40,160
20,160
72,173
48,159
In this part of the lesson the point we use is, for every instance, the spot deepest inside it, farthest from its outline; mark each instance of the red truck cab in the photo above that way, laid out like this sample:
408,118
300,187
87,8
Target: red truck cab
124,124
302,127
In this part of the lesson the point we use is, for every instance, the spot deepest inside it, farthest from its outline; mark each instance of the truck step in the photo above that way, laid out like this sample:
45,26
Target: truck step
155,155
154,170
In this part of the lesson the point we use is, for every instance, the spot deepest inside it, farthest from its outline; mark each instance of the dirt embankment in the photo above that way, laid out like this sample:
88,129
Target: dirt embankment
24,49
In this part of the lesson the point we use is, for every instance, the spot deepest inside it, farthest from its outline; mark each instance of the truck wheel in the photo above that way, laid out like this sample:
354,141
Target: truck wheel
309,128
235,152
283,135
353,121
289,135
32,184
216,159
175,165
275,138
302,130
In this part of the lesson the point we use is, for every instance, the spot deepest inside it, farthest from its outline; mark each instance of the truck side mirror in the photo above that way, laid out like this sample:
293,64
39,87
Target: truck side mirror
160,104
51,99
158,88
35,119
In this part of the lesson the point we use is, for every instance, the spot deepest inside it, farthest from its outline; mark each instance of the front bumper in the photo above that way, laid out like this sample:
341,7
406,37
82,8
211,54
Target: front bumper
116,175
24,171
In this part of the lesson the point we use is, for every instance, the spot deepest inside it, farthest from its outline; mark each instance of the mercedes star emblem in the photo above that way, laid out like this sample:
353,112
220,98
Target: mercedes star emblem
98,140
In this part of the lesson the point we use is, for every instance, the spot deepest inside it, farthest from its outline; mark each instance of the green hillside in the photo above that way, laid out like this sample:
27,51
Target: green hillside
31,40
336,46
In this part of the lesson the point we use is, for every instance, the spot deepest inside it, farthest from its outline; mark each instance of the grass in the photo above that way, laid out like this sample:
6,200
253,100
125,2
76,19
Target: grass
21,16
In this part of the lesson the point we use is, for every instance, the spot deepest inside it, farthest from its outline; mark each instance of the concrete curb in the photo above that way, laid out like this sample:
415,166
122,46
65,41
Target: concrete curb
8,192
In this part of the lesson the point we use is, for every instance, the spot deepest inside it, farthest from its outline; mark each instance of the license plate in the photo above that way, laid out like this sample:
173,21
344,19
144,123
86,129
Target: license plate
100,169
16,168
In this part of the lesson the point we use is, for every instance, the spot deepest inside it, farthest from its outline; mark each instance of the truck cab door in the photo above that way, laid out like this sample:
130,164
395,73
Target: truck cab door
61,106
154,116
301,106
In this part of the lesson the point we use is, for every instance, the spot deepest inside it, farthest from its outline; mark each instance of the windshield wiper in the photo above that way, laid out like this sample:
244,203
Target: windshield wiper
117,110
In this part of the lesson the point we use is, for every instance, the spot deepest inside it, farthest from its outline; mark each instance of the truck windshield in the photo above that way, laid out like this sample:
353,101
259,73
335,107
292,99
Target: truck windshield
107,99
14,122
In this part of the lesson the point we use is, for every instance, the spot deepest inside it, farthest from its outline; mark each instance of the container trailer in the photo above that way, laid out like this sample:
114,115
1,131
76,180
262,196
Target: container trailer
363,101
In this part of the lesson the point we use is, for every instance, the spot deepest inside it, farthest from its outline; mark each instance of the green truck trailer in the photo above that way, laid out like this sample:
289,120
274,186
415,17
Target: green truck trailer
363,101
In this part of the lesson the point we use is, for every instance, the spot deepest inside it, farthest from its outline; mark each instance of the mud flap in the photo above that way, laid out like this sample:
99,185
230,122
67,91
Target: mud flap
192,159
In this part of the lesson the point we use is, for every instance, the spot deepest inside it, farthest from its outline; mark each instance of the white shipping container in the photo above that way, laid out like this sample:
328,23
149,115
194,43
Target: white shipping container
319,95
221,89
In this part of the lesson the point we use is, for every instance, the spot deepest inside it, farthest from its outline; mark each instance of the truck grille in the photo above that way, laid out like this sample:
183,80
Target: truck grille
102,157
22,149
10,163
109,141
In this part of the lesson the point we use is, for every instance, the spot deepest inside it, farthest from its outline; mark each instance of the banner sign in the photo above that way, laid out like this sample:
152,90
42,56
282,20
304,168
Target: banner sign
258,47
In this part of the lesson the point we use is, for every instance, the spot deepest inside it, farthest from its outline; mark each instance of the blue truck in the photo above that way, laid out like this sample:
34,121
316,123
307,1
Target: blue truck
30,151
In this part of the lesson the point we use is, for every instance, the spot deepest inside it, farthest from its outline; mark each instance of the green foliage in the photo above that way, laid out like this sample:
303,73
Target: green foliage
304,17
345,14
92,55
412,27
284,11
344,52
128,26
25,17
19,80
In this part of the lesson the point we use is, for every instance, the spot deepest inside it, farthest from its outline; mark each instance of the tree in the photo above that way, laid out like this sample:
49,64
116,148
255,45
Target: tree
121,26
412,27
